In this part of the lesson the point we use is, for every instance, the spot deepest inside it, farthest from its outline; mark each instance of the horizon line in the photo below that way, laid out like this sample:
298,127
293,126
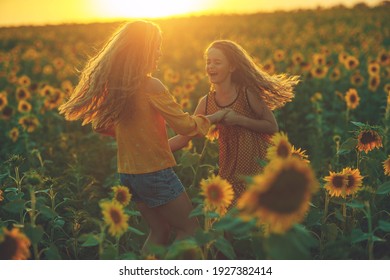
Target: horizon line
193,14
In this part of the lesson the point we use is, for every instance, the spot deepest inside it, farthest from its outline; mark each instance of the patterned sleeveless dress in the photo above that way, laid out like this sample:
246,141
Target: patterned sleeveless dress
239,148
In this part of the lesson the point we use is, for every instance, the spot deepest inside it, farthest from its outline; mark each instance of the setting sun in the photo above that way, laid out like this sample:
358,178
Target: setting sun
146,8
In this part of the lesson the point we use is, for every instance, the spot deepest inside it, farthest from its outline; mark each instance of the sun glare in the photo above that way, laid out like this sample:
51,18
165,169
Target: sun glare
146,8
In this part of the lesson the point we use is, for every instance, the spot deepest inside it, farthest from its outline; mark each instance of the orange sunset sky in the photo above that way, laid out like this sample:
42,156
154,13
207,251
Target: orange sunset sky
38,12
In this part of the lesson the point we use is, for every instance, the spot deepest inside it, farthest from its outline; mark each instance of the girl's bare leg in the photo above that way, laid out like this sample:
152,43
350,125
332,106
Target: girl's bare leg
159,228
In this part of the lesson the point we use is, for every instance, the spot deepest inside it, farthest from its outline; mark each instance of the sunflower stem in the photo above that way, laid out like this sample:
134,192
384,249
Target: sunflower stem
102,235
202,155
18,182
370,244
117,247
344,210
207,226
33,219
324,217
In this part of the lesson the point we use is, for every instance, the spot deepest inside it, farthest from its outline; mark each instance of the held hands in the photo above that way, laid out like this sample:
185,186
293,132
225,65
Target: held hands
231,117
219,115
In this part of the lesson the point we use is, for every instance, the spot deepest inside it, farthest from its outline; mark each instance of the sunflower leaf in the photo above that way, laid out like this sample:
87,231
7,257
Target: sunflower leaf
15,206
90,240
384,188
383,225
136,231
234,225
35,233
359,124
347,146
225,247
198,211
355,204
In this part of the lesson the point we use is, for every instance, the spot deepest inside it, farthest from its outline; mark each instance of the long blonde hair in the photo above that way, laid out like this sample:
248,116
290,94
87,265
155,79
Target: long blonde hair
275,90
113,75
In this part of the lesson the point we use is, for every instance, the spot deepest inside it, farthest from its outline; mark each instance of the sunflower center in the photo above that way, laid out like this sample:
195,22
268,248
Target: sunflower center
120,196
283,150
338,181
352,98
214,193
8,248
367,137
115,216
286,193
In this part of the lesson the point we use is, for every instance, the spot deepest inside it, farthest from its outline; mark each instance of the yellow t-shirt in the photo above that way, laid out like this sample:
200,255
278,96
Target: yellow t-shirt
141,132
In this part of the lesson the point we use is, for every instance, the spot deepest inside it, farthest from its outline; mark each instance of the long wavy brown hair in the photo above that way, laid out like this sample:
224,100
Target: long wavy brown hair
275,90
114,75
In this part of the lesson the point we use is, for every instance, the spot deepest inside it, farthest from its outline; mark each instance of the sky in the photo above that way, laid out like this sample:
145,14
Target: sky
40,12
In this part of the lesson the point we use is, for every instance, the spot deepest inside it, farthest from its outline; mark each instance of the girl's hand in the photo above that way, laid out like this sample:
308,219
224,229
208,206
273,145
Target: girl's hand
221,114
231,117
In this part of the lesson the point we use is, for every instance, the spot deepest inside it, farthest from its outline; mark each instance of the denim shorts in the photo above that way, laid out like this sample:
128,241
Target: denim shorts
155,188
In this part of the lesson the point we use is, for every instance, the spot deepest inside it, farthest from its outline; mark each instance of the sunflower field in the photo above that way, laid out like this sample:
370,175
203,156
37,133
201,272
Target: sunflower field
324,191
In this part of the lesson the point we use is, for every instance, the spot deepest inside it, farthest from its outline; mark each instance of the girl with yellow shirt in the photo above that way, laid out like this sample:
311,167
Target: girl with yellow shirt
119,96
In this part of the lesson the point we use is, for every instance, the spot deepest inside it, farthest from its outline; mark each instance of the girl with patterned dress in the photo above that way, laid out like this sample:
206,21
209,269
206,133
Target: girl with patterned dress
249,94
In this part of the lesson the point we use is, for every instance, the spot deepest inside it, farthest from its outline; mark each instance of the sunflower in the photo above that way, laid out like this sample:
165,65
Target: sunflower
316,97
336,183
343,57
269,67
58,63
281,147
171,76
1,196
213,133
189,146
386,88
24,81
114,217
48,70
3,100
54,99
185,103
357,79
319,59
319,71
24,106
335,74
297,58
46,91
279,197
383,58
22,94
6,113
279,55
67,87
305,66
386,166
368,140
373,83
122,195
189,87
218,194
14,245
14,134
351,62
299,153
354,180
374,68
352,98
29,123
